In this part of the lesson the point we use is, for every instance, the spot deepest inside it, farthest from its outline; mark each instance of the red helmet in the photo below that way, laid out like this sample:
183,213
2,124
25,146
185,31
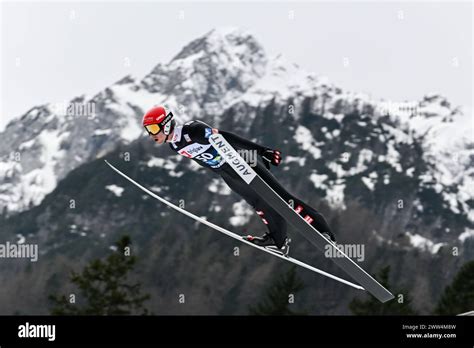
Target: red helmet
157,119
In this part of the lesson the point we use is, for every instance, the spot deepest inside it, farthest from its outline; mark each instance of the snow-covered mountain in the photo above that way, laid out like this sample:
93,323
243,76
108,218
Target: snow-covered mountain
225,77
397,177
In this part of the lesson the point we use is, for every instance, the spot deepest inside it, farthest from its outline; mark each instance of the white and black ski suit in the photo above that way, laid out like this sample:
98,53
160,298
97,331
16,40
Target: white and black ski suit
192,140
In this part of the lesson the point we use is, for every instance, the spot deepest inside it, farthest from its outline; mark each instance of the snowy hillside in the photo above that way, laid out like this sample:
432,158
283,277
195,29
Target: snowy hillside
224,77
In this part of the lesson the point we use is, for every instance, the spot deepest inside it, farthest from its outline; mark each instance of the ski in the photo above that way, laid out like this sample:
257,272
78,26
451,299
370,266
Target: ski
244,170
232,234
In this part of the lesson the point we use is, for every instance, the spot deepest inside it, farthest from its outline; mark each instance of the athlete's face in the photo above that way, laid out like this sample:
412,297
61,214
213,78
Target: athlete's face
159,138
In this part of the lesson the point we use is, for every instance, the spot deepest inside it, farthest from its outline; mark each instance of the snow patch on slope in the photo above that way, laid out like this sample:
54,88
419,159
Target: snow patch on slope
166,163
334,190
424,243
304,137
116,190
37,183
370,181
218,186
468,233
242,213
318,180
300,160
335,195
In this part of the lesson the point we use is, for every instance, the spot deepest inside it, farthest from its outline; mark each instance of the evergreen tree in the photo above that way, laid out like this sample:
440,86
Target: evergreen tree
276,298
458,297
104,288
372,306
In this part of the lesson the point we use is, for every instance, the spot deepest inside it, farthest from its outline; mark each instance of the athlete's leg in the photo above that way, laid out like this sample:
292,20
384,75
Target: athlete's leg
277,226
311,215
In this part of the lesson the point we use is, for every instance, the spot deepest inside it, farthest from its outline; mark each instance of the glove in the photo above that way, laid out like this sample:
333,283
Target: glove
271,156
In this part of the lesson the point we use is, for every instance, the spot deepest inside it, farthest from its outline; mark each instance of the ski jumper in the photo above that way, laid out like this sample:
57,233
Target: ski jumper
192,140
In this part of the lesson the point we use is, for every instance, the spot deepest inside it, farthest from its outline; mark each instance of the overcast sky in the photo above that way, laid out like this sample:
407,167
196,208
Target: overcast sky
51,51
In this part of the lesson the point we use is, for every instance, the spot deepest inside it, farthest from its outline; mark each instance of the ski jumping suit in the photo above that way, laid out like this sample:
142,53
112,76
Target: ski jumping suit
191,140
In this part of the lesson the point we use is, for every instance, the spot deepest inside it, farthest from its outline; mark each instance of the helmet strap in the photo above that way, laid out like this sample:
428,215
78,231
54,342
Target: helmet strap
168,129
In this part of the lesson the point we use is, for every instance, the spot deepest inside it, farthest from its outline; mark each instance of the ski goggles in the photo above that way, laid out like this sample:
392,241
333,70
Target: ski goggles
153,129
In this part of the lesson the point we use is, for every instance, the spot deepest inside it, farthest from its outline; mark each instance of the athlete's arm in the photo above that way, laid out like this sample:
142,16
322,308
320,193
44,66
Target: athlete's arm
268,155
242,143
200,132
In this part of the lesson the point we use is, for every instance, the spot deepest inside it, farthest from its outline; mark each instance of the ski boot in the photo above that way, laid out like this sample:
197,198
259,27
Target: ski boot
263,241
284,250
268,243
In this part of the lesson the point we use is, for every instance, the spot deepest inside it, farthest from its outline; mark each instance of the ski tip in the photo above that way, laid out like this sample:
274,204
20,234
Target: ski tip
388,298
110,165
